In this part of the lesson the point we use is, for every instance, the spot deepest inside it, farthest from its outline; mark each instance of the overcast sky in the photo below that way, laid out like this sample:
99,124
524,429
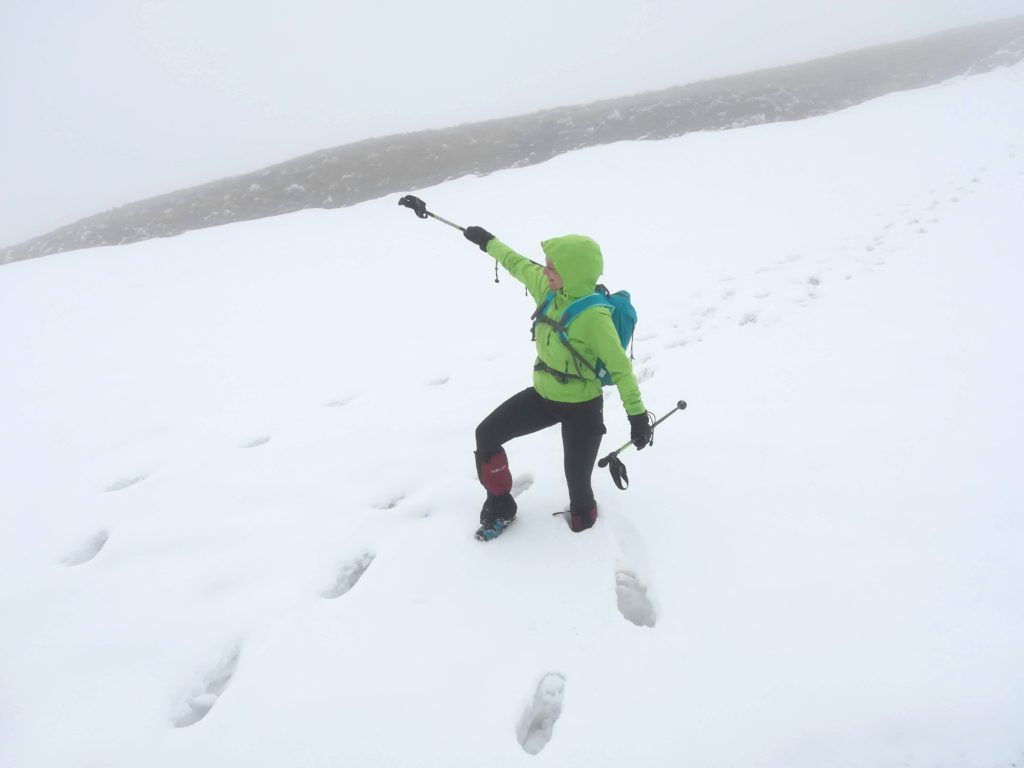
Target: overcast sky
111,101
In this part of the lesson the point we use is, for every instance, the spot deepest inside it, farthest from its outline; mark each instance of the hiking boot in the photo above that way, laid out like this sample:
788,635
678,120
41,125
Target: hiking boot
498,507
580,522
493,530
496,515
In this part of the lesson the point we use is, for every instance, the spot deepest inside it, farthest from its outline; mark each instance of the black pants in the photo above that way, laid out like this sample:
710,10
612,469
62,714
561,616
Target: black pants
582,429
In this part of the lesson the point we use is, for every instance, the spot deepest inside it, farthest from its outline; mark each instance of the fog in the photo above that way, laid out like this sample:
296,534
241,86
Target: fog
106,103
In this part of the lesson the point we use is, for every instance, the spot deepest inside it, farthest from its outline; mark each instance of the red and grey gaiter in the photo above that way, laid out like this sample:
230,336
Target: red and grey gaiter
494,473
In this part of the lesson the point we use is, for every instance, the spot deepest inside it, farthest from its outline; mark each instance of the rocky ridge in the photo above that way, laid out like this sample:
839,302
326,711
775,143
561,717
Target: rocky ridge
364,170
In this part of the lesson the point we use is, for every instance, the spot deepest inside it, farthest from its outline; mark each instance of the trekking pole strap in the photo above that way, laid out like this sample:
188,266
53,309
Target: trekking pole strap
619,475
614,463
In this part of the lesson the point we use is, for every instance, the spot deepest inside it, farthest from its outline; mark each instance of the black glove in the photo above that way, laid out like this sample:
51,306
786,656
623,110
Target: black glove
478,235
641,431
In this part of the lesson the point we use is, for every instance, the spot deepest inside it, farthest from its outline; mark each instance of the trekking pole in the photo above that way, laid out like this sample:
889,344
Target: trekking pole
420,209
615,465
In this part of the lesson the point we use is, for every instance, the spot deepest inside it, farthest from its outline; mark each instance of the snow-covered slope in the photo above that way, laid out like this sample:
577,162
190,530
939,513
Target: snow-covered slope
237,495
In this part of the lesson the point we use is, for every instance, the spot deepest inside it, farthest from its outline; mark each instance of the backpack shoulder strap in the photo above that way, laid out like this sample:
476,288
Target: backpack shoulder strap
580,306
543,306
539,315
570,313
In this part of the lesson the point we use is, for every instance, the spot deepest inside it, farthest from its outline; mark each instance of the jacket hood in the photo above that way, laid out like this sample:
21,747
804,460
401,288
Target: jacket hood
578,260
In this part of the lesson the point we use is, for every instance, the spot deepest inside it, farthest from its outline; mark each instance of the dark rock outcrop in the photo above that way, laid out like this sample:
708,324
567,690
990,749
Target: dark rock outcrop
352,173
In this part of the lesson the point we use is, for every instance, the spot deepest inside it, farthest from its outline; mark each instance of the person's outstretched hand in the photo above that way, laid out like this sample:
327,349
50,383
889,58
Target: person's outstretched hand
641,431
478,235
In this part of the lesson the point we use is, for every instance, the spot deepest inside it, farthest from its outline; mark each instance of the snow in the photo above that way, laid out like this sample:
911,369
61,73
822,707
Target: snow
238,495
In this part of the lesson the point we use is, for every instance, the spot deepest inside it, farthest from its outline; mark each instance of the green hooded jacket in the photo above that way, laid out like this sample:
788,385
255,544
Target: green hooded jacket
578,260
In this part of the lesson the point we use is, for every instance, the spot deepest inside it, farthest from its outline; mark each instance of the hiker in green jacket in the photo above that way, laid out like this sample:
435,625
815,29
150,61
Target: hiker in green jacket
563,391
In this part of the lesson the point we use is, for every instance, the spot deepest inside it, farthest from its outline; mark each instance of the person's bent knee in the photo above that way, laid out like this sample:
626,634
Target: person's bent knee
485,439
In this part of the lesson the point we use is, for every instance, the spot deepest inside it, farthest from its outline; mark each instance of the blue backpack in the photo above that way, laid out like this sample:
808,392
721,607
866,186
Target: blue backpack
623,317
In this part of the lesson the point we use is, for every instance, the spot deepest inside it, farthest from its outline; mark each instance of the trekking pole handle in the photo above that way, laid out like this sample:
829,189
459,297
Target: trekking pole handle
680,406
602,463
419,207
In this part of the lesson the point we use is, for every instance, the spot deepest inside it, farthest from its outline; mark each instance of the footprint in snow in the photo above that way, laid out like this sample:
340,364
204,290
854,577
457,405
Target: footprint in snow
391,503
87,551
255,442
350,573
340,402
439,381
645,374
521,484
631,595
748,318
702,316
125,482
537,724
199,703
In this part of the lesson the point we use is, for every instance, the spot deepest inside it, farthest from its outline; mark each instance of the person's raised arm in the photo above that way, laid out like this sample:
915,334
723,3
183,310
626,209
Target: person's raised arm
527,272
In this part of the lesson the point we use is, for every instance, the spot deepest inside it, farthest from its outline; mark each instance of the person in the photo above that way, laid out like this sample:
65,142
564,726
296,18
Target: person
563,392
